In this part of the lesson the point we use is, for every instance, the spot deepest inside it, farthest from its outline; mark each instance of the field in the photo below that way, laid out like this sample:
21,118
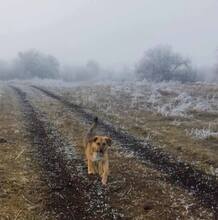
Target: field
163,161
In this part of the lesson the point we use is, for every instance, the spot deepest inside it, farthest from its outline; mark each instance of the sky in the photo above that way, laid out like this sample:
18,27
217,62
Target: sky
112,32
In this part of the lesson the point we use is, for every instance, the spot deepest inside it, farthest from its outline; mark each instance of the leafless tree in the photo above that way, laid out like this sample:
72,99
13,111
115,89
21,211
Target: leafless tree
32,64
162,63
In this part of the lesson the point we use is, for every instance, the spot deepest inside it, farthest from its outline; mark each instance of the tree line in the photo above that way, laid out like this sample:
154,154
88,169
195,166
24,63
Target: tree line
158,64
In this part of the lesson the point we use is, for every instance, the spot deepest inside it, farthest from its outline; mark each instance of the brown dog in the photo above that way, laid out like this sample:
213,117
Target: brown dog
96,151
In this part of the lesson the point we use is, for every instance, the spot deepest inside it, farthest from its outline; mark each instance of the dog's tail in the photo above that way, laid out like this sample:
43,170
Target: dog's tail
93,127
91,132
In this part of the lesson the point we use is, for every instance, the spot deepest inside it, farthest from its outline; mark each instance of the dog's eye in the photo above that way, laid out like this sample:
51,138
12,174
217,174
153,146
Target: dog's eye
98,144
103,144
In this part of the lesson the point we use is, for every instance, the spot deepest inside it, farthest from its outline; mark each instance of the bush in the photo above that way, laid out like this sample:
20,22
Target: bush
163,64
33,64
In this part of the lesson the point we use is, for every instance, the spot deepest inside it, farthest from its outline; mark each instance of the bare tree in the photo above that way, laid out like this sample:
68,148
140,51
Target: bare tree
162,63
32,64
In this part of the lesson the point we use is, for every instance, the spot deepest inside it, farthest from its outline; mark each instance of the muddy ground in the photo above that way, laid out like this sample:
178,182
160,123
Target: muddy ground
43,174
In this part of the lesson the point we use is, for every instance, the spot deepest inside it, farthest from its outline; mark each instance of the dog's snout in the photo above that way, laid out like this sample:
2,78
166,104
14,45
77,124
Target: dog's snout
101,151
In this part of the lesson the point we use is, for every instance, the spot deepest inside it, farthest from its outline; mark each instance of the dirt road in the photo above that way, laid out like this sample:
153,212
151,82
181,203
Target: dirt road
143,184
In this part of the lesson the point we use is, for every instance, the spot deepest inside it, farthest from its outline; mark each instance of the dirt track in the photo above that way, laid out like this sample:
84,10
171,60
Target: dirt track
144,183
202,185
70,190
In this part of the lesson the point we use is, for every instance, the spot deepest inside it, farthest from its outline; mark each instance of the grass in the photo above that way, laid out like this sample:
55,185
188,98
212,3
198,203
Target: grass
21,190
131,186
129,109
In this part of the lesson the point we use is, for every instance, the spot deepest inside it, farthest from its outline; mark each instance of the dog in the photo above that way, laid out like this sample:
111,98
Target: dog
96,152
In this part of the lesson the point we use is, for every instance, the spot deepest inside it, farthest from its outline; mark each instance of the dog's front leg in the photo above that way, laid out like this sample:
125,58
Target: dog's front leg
91,169
105,172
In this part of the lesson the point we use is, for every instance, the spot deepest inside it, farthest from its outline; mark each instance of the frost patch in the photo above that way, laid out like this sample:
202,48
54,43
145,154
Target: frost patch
202,134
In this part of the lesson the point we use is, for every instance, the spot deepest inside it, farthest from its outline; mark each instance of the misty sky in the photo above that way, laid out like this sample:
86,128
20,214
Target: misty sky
110,31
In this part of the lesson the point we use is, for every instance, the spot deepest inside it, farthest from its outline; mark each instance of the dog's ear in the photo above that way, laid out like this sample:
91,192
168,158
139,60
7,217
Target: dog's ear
108,140
94,139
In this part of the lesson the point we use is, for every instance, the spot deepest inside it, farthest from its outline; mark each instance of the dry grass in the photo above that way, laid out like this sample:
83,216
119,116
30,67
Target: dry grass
128,108
138,192
21,189
135,190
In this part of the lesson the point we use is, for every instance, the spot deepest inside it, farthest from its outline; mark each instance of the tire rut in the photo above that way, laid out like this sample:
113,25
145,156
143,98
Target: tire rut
201,185
72,194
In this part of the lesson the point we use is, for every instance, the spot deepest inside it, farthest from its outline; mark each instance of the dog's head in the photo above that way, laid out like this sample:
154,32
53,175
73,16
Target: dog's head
99,145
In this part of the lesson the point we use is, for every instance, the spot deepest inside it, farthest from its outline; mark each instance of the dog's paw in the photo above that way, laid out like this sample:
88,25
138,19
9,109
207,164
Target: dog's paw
90,172
104,182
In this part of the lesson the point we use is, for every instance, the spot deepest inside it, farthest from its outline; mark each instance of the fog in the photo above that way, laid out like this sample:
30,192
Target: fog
114,33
